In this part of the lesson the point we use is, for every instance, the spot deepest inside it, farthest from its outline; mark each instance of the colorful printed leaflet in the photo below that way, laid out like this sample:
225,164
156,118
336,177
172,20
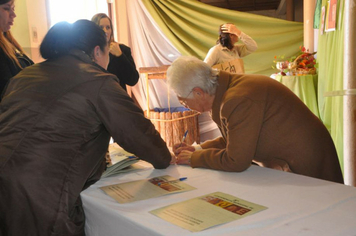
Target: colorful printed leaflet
203,212
147,188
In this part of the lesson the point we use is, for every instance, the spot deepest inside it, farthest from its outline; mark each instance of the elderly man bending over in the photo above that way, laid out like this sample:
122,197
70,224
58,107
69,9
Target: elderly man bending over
260,119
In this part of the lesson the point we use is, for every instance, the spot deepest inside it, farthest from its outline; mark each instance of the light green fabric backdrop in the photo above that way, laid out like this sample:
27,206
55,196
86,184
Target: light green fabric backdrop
330,60
192,27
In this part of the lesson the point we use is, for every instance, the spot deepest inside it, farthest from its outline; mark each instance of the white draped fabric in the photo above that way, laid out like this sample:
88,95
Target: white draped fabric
150,48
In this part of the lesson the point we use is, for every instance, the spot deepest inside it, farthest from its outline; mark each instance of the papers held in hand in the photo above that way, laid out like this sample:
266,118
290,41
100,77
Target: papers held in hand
121,161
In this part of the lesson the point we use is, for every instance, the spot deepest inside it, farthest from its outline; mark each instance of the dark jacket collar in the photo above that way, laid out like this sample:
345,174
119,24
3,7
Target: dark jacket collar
81,55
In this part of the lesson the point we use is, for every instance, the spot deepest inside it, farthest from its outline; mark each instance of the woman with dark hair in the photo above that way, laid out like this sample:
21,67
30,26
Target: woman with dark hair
225,49
56,120
121,62
12,56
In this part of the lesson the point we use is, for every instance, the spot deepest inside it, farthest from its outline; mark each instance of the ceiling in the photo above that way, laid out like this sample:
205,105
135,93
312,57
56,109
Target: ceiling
245,5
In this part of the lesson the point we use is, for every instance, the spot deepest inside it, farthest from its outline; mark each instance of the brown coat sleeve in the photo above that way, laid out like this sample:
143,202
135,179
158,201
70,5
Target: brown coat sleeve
241,121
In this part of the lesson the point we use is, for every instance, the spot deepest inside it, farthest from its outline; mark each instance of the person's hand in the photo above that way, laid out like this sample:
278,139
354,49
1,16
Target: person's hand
184,157
231,29
107,158
177,148
115,49
173,159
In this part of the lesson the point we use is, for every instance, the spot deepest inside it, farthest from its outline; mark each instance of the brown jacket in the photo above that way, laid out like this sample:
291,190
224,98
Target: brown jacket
56,119
262,121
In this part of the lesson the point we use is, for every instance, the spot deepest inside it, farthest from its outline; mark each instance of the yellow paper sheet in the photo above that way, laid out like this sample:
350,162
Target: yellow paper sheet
203,212
145,189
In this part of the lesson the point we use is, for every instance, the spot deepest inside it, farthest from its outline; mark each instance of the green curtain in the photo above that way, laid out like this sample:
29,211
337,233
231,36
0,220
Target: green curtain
192,27
317,14
330,60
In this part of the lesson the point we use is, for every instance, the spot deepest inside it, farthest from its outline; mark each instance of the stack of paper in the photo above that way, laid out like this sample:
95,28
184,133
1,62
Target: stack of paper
121,161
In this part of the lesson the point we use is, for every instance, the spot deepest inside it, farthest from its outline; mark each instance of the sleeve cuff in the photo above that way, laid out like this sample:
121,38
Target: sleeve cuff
197,147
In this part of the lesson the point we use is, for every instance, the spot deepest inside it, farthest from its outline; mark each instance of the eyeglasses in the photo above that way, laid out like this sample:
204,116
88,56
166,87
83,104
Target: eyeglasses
183,101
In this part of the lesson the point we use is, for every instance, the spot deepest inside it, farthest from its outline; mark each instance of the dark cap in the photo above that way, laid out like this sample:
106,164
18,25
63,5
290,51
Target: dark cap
4,1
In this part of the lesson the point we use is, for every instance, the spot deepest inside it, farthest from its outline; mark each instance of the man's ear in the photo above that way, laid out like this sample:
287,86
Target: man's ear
96,53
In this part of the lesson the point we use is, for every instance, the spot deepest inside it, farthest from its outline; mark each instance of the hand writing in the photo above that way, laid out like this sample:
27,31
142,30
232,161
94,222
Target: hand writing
177,148
184,157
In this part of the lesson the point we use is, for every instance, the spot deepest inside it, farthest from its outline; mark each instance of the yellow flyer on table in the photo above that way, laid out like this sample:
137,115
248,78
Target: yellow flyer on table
203,212
145,189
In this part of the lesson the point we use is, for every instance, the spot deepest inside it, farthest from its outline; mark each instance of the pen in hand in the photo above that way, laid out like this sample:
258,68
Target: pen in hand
183,139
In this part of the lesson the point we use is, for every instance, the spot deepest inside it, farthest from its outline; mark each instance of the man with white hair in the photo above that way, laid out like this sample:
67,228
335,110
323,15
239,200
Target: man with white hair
261,122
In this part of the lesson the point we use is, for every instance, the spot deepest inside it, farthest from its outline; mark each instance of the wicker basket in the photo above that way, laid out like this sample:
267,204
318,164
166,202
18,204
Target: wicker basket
171,124
296,69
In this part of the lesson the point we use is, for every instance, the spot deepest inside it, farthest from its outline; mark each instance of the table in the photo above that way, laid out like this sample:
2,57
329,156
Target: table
305,87
297,205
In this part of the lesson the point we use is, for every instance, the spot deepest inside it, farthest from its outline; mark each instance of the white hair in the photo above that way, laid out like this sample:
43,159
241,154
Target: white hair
188,72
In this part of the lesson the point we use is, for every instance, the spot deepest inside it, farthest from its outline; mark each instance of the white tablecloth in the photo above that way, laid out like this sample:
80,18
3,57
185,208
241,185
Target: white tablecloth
297,205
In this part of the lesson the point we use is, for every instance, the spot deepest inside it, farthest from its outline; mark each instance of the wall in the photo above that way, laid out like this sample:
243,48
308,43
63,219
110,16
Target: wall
20,29
298,10
30,26
270,13
121,28
281,12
